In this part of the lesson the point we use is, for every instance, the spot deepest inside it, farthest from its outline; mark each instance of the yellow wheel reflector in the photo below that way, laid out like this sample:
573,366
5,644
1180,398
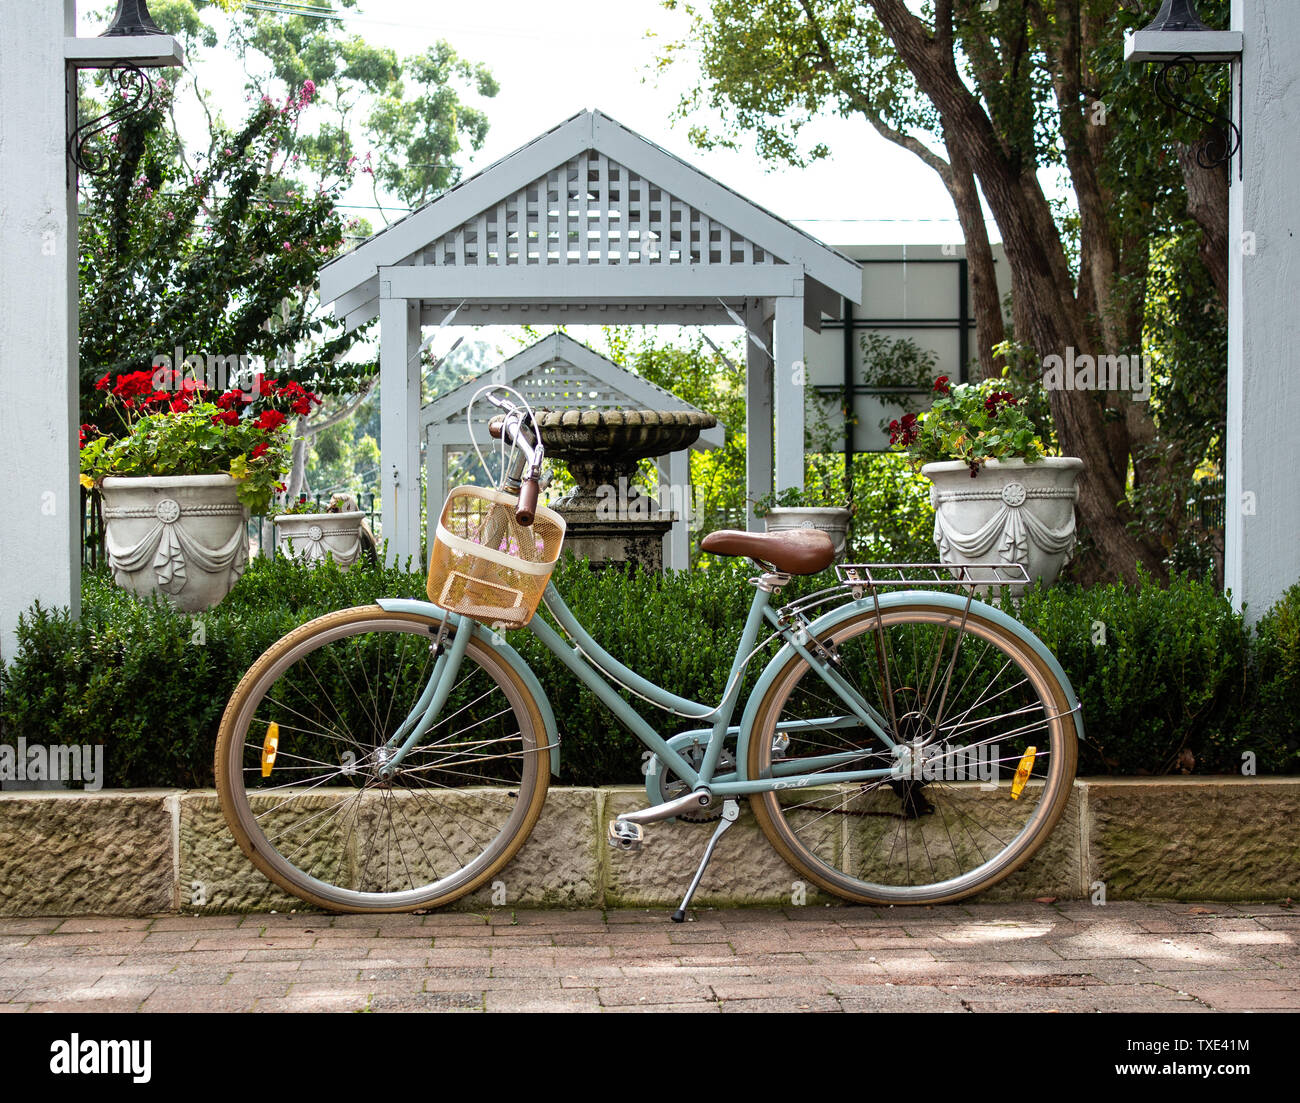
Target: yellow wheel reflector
1022,772
270,745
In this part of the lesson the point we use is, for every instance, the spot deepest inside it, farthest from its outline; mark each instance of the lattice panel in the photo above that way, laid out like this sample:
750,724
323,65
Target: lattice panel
593,211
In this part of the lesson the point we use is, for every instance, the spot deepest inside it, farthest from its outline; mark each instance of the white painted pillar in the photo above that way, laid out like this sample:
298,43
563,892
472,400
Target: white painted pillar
675,495
758,410
399,427
40,545
40,542
1262,509
789,381
435,479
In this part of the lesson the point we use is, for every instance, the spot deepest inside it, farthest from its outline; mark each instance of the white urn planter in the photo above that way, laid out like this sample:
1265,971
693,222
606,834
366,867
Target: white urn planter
1012,512
830,519
313,536
182,536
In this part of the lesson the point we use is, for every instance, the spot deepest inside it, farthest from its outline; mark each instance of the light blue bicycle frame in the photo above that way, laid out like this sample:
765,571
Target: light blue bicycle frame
593,665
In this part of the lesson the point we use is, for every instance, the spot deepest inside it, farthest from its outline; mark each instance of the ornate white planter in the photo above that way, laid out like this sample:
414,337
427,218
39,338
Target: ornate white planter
1012,512
183,537
830,519
313,536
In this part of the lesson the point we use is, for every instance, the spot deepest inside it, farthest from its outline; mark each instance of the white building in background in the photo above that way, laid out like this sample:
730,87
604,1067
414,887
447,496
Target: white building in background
917,292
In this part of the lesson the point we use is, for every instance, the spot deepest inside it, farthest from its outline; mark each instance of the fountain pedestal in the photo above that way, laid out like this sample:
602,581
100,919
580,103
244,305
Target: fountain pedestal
608,520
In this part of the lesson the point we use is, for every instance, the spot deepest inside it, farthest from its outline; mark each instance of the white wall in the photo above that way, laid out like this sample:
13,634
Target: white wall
893,288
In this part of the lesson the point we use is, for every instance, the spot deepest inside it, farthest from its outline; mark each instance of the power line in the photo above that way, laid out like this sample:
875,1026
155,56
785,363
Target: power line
287,7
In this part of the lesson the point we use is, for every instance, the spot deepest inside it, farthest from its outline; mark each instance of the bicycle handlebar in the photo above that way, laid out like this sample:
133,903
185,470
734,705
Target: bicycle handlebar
514,430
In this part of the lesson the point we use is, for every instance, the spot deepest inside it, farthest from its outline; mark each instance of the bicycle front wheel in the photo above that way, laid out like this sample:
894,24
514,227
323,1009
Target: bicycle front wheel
302,747
982,761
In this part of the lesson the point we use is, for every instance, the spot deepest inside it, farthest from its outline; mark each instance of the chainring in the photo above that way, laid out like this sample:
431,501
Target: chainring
662,785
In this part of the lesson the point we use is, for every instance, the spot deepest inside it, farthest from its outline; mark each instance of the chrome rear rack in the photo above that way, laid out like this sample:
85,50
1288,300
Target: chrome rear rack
857,580
930,575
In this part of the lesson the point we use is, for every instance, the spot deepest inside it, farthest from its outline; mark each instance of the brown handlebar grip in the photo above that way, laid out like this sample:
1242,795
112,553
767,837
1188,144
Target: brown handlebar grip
496,425
526,511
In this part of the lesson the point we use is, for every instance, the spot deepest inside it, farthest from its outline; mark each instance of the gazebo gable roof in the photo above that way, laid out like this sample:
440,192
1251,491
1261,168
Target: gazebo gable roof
588,192
558,372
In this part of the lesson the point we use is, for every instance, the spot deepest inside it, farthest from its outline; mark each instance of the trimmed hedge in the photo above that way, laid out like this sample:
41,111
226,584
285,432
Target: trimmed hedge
1164,673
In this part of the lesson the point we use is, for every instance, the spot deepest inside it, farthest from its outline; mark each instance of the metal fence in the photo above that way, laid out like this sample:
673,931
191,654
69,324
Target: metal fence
1206,502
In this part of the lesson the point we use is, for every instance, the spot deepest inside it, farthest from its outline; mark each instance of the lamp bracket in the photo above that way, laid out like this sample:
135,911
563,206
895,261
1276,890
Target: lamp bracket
135,94
1170,81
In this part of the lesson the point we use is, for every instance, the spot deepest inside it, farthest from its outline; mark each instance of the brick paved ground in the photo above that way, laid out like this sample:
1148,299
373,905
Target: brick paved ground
981,957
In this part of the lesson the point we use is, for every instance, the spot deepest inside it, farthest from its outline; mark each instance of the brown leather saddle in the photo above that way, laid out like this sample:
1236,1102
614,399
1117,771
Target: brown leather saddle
795,551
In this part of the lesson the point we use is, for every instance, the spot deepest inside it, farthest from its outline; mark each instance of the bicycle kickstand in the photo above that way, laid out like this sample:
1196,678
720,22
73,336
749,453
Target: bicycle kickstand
730,814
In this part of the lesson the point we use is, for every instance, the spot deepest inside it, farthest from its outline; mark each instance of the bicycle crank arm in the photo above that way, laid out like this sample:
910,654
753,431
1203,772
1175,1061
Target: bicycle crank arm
691,802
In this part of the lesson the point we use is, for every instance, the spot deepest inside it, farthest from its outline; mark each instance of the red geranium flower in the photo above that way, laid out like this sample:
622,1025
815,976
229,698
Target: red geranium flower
139,384
269,420
226,417
102,383
941,385
259,451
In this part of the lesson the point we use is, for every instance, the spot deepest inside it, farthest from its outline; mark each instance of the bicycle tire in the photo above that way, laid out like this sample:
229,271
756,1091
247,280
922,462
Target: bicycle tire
859,841
455,812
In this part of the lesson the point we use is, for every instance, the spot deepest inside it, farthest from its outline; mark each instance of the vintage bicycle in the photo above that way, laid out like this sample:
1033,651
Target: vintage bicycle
905,743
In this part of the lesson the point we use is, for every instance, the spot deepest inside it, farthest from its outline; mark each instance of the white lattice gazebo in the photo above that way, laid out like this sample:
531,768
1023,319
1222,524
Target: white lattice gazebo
558,373
591,223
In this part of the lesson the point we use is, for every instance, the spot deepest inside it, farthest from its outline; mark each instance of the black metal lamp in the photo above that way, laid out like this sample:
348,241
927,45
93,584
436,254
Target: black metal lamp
132,18
1177,15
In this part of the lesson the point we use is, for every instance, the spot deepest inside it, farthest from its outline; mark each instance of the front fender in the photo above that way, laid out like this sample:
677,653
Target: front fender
429,611
834,617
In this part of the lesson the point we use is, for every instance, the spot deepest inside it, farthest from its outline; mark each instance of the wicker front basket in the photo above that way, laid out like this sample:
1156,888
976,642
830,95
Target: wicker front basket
485,564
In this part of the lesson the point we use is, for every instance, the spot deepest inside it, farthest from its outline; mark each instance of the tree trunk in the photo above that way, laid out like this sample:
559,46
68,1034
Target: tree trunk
987,307
1207,202
1047,307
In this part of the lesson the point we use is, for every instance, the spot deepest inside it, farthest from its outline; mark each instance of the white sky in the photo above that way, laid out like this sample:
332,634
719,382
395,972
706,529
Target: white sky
557,58
554,59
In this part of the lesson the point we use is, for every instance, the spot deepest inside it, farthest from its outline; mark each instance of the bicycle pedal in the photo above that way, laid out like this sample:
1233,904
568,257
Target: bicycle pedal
625,836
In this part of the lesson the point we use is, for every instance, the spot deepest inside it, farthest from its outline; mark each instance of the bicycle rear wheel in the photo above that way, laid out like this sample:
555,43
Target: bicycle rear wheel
992,746
303,740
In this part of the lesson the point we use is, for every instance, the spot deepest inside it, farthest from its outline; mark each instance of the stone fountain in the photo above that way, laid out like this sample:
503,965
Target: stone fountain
609,521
